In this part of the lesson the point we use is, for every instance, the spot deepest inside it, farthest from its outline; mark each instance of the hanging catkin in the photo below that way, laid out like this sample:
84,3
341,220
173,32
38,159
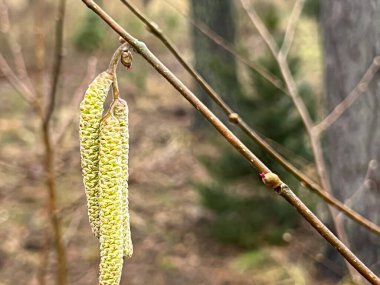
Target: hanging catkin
91,109
121,113
110,202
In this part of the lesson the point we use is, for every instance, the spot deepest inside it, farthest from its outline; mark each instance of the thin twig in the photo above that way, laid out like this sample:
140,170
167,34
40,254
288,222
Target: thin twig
16,83
77,97
259,25
58,52
5,28
39,51
291,27
49,151
260,70
285,192
235,118
359,89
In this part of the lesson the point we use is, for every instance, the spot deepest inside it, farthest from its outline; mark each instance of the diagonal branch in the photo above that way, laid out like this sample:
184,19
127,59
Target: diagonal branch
77,97
291,27
283,189
16,83
204,29
236,119
359,89
5,28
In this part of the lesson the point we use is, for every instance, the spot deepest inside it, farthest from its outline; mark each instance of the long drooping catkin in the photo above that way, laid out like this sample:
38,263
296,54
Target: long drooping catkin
91,109
121,113
110,202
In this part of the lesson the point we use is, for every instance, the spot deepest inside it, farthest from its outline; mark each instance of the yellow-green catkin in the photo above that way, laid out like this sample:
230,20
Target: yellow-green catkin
121,113
110,202
91,109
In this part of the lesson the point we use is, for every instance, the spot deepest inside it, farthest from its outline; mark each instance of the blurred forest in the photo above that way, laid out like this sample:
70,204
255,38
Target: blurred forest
199,214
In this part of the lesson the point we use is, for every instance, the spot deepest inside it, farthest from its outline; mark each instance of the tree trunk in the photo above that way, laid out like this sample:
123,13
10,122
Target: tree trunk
351,39
214,63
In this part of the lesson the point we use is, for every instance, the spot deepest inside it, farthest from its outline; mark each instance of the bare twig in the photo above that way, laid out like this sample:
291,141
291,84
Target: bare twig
359,89
16,83
49,152
260,70
39,50
58,52
259,25
291,27
77,97
235,118
284,190
5,28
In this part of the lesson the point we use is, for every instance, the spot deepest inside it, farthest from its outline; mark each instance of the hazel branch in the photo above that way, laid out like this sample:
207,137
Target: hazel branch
236,119
285,192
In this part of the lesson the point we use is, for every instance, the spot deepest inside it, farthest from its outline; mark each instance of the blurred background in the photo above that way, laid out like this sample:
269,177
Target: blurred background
199,213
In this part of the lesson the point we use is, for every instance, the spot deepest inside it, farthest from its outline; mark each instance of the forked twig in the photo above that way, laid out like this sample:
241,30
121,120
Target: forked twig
16,83
5,28
283,190
359,89
260,70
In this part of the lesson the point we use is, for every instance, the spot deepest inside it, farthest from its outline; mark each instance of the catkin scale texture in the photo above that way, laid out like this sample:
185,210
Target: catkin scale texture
110,202
121,113
91,110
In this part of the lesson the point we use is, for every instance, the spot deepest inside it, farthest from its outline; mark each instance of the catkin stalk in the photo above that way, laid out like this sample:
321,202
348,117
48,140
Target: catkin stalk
91,110
121,113
110,202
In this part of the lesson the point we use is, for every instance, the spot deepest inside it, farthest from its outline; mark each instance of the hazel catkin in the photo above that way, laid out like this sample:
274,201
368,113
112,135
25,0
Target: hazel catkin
110,202
91,110
121,113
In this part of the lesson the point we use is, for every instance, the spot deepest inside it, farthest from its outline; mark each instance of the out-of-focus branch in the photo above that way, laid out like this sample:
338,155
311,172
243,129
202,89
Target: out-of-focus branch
260,70
77,97
39,50
16,83
50,153
259,25
283,189
236,119
291,27
359,89
5,28
282,63
58,54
